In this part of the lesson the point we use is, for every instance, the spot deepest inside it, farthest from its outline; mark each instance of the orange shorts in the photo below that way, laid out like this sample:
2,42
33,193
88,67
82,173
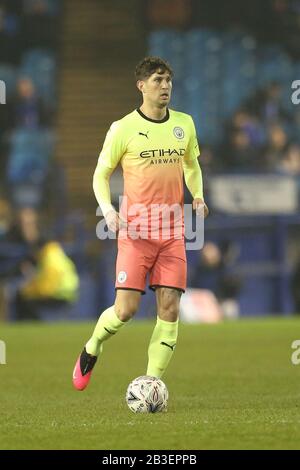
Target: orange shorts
164,260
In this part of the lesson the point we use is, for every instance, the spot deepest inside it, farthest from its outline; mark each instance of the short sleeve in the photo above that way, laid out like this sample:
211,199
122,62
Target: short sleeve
192,151
113,147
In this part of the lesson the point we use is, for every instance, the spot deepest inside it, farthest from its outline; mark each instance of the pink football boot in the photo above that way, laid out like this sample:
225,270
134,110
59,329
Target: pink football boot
83,370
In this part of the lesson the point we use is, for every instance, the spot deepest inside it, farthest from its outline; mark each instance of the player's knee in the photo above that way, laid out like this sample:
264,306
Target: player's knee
126,304
126,311
170,314
168,302
169,310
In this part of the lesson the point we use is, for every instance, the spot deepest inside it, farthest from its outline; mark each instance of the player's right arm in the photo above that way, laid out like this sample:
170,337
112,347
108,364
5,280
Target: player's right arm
110,155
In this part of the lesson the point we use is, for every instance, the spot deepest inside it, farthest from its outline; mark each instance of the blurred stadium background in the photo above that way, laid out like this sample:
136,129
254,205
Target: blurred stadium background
68,69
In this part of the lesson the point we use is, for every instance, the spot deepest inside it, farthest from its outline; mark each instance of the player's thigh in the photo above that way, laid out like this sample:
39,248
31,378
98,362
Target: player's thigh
170,268
127,303
135,258
168,302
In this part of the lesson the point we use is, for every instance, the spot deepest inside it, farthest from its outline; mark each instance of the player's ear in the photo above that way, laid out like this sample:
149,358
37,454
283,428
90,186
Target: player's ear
140,85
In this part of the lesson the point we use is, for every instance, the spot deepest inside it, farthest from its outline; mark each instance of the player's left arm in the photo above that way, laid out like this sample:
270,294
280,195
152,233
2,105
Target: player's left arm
193,173
194,182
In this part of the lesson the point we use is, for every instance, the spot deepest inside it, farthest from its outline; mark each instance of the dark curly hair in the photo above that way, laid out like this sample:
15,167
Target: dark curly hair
150,65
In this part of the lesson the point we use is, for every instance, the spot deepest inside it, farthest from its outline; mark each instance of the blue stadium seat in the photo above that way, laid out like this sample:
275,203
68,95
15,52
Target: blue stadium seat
156,42
36,57
159,43
29,155
217,71
274,64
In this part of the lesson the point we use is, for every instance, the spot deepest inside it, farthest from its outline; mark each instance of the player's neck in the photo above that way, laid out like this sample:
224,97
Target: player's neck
153,112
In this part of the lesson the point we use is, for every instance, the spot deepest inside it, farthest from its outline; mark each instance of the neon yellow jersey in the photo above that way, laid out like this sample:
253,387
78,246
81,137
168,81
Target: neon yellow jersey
152,155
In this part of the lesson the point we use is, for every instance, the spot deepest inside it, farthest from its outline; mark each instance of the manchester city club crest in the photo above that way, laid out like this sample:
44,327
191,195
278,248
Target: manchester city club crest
178,132
122,276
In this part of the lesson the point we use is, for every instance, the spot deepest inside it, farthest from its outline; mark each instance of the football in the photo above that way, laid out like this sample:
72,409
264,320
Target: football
147,394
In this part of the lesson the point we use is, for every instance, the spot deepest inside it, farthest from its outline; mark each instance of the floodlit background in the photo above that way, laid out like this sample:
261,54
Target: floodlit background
68,69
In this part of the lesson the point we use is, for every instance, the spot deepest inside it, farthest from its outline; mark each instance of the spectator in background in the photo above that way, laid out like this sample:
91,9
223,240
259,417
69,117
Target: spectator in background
212,273
244,121
52,282
267,105
206,273
49,277
3,165
276,148
239,154
258,140
208,162
27,109
5,218
17,243
5,221
26,229
25,233
290,163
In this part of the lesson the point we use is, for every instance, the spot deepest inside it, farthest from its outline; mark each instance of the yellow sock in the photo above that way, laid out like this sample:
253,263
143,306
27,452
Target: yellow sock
161,347
107,326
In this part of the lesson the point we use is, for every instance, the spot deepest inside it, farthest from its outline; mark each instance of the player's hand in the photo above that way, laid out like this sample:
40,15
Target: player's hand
114,221
199,206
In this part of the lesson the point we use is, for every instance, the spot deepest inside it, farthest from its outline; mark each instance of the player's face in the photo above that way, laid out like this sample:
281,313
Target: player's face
157,89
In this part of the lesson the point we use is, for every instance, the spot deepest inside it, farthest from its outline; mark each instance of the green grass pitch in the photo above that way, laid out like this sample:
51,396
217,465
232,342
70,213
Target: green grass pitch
231,386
